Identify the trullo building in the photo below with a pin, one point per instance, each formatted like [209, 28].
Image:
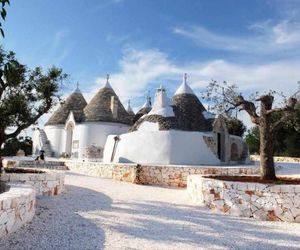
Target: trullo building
[79, 129]
[177, 131]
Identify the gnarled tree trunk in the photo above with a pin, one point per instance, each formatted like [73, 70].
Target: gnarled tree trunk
[267, 167]
[2, 140]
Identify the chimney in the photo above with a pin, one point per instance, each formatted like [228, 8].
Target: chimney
[114, 107]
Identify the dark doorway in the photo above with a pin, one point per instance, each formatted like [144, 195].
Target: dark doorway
[219, 145]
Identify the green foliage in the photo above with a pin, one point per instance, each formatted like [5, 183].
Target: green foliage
[25, 95]
[286, 142]
[252, 140]
[3, 14]
[235, 126]
[12, 145]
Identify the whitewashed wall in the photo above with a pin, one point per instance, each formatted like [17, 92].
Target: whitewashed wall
[36, 142]
[56, 134]
[87, 134]
[161, 147]
[94, 133]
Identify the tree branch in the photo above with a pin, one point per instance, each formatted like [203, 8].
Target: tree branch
[290, 106]
[29, 122]
[249, 107]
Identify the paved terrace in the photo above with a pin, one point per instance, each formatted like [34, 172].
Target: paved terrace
[97, 213]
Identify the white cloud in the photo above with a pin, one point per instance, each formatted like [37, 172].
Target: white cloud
[138, 69]
[265, 38]
[141, 70]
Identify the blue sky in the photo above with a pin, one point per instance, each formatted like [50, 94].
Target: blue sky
[145, 43]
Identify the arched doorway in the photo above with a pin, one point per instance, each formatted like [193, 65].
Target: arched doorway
[221, 145]
[69, 138]
[221, 139]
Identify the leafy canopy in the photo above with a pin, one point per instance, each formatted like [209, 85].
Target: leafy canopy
[25, 95]
[3, 14]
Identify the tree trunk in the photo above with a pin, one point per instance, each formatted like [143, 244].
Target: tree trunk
[1, 163]
[267, 167]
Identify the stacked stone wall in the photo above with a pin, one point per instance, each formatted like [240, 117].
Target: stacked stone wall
[17, 206]
[254, 200]
[278, 159]
[57, 165]
[167, 176]
[47, 184]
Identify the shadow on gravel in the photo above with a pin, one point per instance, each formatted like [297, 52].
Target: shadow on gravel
[58, 224]
[167, 222]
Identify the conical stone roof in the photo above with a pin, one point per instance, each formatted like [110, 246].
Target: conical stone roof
[145, 109]
[99, 108]
[75, 103]
[188, 111]
[129, 109]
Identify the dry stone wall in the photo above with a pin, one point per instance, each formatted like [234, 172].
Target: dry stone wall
[57, 165]
[259, 201]
[278, 159]
[17, 206]
[49, 183]
[167, 176]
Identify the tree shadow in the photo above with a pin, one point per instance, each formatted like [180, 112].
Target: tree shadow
[195, 226]
[58, 224]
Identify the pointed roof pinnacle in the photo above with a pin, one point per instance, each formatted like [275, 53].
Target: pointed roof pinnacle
[184, 88]
[185, 78]
[77, 88]
[107, 84]
[129, 109]
[147, 103]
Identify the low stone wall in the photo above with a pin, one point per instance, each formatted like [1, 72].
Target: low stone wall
[167, 176]
[91, 168]
[57, 165]
[260, 201]
[278, 159]
[49, 183]
[17, 206]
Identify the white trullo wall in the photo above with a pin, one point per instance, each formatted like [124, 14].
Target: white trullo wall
[86, 134]
[95, 133]
[36, 142]
[160, 147]
[56, 135]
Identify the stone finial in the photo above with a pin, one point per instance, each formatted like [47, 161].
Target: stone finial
[107, 84]
[185, 78]
[77, 87]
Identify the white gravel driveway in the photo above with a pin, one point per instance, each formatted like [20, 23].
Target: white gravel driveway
[97, 213]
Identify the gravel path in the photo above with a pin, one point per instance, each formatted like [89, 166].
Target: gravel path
[97, 213]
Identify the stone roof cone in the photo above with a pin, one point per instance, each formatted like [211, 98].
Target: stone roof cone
[184, 88]
[188, 108]
[105, 106]
[75, 103]
[145, 109]
[129, 109]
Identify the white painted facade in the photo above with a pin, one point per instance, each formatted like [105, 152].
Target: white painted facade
[148, 126]
[83, 135]
[94, 134]
[56, 134]
[160, 147]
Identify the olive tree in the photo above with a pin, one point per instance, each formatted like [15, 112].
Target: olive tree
[268, 119]
[25, 95]
[4, 3]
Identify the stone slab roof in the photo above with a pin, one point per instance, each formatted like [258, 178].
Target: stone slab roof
[99, 108]
[75, 103]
